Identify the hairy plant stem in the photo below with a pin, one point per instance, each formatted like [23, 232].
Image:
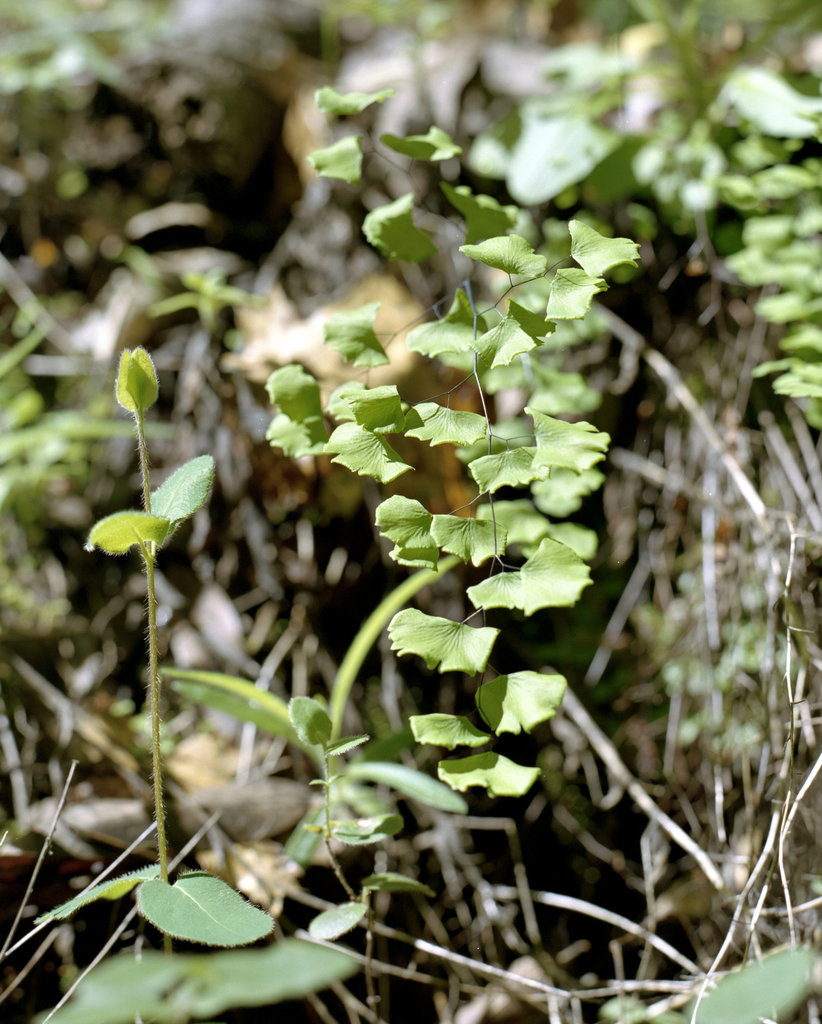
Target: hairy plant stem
[335, 864]
[153, 673]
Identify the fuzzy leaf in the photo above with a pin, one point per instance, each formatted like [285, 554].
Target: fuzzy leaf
[390, 881]
[562, 493]
[595, 253]
[185, 490]
[473, 540]
[341, 160]
[363, 831]
[440, 425]
[409, 782]
[572, 292]
[378, 409]
[441, 643]
[493, 772]
[509, 253]
[520, 700]
[112, 889]
[337, 921]
[118, 532]
[329, 101]
[484, 217]
[186, 986]
[202, 908]
[346, 745]
[408, 524]
[434, 145]
[553, 577]
[365, 452]
[514, 467]
[390, 229]
[563, 445]
[453, 333]
[310, 720]
[136, 388]
[351, 333]
[768, 989]
[447, 731]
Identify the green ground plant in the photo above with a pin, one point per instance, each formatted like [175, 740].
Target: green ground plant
[197, 907]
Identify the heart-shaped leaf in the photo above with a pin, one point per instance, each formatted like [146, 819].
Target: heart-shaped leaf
[202, 908]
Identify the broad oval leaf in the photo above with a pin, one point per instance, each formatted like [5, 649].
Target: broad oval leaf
[768, 990]
[491, 771]
[553, 577]
[509, 253]
[765, 99]
[112, 889]
[445, 645]
[572, 291]
[185, 490]
[169, 989]
[364, 831]
[390, 229]
[333, 923]
[448, 731]
[118, 532]
[563, 445]
[351, 333]
[329, 101]
[409, 782]
[440, 425]
[365, 453]
[484, 216]
[202, 908]
[310, 720]
[341, 160]
[434, 145]
[472, 540]
[136, 388]
[391, 881]
[595, 253]
[407, 523]
[520, 700]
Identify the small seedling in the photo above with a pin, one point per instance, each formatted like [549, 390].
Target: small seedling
[197, 907]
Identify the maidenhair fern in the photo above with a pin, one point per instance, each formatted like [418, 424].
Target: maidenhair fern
[532, 562]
